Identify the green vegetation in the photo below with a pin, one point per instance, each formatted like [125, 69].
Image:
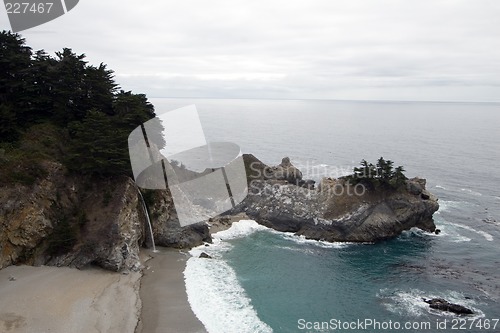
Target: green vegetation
[63, 109]
[381, 175]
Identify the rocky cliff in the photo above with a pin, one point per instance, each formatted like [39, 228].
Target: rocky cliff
[68, 220]
[166, 228]
[334, 210]
[65, 220]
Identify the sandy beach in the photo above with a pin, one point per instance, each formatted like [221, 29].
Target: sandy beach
[61, 299]
[165, 307]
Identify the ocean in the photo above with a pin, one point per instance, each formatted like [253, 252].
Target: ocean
[265, 281]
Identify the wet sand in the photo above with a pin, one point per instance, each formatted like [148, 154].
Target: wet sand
[165, 307]
[61, 299]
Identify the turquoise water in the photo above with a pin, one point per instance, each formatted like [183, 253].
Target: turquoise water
[385, 281]
[285, 279]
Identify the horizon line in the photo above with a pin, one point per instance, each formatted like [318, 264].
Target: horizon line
[332, 100]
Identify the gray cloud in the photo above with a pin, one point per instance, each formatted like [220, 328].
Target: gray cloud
[352, 49]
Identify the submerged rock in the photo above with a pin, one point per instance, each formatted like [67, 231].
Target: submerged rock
[205, 255]
[443, 305]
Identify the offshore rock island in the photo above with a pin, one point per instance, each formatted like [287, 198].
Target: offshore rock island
[335, 210]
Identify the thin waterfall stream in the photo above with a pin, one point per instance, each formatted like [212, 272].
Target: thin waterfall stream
[148, 219]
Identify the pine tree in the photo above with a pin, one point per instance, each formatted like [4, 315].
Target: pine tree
[98, 146]
[78, 99]
[382, 174]
[15, 63]
[399, 176]
[69, 91]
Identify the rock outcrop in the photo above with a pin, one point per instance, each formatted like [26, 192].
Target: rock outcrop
[444, 305]
[65, 220]
[336, 210]
[284, 171]
[166, 228]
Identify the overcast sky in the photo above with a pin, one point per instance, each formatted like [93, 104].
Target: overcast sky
[327, 49]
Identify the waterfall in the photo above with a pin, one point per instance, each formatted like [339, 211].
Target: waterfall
[148, 219]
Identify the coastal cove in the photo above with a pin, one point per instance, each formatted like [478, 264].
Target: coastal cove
[250, 167]
[270, 264]
[452, 145]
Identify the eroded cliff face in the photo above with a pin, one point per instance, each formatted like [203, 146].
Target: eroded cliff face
[336, 211]
[63, 220]
[166, 228]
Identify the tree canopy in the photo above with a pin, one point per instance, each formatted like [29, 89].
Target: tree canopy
[382, 174]
[83, 101]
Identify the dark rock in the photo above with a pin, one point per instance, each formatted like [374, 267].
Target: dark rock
[254, 168]
[309, 184]
[103, 219]
[284, 171]
[425, 196]
[69, 220]
[205, 255]
[443, 305]
[167, 230]
[224, 222]
[437, 231]
[335, 212]
[415, 186]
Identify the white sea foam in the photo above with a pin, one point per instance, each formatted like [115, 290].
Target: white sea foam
[218, 300]
[471, 192]
[450, 232]
[303, 240]
[239, 229]
[247, 227]
[411, 303]
[441, 187]
[446, 205]
[215, 295]
[455, 237]
[416, 232]
[486, 235]
[403, 302]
